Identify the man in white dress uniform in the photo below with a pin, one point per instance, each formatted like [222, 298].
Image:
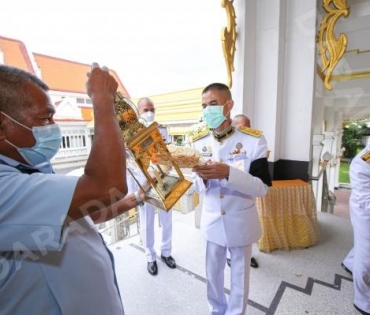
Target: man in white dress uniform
[358, 259]
[146, 110]
[235, 173]
[238, 121]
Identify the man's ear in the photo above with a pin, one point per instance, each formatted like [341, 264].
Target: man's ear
[230, 105]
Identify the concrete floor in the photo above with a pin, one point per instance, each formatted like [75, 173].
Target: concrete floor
[342, 199]
[305, 281]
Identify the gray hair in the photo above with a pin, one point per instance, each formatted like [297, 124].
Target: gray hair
[13, 89]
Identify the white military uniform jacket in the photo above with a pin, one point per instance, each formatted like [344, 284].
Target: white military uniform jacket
[360, 193]
[229, 216]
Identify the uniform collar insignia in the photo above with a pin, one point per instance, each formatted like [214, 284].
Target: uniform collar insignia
[223, 134]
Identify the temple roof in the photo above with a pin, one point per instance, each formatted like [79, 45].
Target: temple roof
[59, 74]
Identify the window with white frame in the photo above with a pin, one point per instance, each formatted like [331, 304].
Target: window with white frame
[73, 139]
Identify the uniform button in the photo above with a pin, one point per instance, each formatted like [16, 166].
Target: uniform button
[223, 212]
[221, 196]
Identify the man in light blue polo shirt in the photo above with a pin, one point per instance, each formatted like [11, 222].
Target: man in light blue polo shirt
[52, 259]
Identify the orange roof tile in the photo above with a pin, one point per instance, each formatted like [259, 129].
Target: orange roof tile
[15, 54]
[59, 74]
[67, 76]
[87, 113]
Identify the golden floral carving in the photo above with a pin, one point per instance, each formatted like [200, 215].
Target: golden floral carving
[228, 38]
[331, 48]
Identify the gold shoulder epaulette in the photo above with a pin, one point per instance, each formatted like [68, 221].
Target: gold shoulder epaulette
[366, 157]
[252, 132]
[200, 135]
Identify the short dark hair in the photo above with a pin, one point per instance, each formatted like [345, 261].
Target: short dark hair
[13, 87]
[217, 86]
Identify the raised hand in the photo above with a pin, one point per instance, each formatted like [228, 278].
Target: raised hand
[100, 84]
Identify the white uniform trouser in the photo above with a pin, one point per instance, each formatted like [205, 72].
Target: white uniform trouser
[361, 272]
[228, 255]
[147, 214]
[239, 287]
[348, 261]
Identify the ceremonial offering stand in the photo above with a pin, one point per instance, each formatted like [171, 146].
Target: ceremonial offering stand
[142, 144]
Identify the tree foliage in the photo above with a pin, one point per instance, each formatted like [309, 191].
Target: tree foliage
[352, 138]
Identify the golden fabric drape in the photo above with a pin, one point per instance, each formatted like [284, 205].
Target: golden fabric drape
[288, 216]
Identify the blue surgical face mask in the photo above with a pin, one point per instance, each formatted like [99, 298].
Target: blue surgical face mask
[214, 116]
[48, 139]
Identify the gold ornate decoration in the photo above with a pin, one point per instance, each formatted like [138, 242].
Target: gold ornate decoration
[331, 48]
[167, 187]
[127, 116]
[228, 38]
[142, 142]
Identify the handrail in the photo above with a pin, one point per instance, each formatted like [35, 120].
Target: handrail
[323, 167]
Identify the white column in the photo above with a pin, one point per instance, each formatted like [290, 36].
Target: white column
[298, 78]
[275, 71]
[243, 76]
[317, 146]
[333, 136]
[338, 133]
[317, 151]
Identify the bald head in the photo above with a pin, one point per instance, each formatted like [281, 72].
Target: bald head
[242, 120]
[146, 109]
[144, 105]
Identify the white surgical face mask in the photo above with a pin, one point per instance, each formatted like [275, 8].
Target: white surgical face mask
[48, 139]
[148, 116]
[213, 115]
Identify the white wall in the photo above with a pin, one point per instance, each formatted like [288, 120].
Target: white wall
[275, 72]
